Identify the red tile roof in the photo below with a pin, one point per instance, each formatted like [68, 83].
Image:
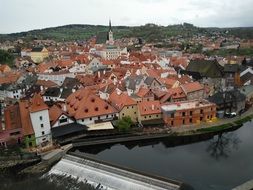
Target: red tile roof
[37, 103]
[192, 87]
[149, 107]
[120, 100]
[25, 118]
[84, 104]
[12, 117]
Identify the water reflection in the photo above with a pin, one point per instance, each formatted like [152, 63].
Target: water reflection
[222, 145]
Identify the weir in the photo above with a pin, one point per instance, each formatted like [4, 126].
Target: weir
[109, 176]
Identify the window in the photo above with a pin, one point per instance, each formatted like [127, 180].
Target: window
[201, 111]
[172, 115]
[127, 107]
[40, 118]
[201, 118]
[90, 118]
[64, 120]
[183, 114]
[145, 117]
[135, 112]
[123, 114]
[41, 125]
[43, 132]
[191, 120]
[190, 113]
[172, 123]
[157, 115]
[183, 121]
[132, 107]
[150, 116]
[30, 144]
[29, 136]
[82, 120]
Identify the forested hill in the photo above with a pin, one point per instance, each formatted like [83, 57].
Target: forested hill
[148, 32]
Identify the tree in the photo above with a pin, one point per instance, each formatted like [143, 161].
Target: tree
[124, 124]
[6, 58]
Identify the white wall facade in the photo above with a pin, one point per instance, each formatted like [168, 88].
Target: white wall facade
[41, 126]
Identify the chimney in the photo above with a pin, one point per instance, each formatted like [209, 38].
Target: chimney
[99, 74]
[61, 89]
[73, 90]
[41, 88]
[103, 71]
[64, 108]
[153, 107]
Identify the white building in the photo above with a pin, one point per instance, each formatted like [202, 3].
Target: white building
[40, 120]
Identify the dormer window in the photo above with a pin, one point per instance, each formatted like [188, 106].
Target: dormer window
[96, 108]
[92, 99]
[106, 107]
[86, 110]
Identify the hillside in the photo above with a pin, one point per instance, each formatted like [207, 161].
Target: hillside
[148, 32]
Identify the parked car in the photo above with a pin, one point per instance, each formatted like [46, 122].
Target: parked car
[230, 115]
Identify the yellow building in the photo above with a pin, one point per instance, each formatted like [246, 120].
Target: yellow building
[38, 54]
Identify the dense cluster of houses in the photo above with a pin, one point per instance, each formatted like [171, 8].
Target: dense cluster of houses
[57, 91]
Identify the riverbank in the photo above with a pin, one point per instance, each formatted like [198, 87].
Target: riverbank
[47, 160]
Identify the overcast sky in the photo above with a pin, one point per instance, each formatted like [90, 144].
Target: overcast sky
[23, 15]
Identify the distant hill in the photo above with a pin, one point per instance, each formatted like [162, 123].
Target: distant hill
[148, 32]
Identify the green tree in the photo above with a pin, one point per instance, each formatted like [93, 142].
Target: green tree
[124, 124]
[6, 58]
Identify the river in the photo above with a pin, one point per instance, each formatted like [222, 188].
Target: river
[220, 163]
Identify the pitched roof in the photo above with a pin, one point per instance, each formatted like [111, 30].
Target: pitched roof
[12, 117]
[120, 100]
[52, 92]
[37, 103]
[25, 118]
[192, 87]
[142, 92]
[46, 83]
[54, 113]
[84, 104]
[206, 68]
[149, 107]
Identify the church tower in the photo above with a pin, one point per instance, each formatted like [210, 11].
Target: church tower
[110, 40]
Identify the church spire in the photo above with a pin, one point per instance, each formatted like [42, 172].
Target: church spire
[110, 25]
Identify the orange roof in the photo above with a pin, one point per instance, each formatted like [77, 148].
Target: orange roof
[142, 92]
[149, 107]
[12, 117]
[4, 68]
[54, 113]
[169, 82]
[120, 100]
[84, 104]
[37, 103]
[25, 118]
[192, 87]
[46, 83]
[10, 78]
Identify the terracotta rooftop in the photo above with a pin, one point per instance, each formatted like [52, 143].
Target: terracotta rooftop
[25, 115]
[84, 104]
[192, 87]
[37, 103]
[120, 100]
[149, 107]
